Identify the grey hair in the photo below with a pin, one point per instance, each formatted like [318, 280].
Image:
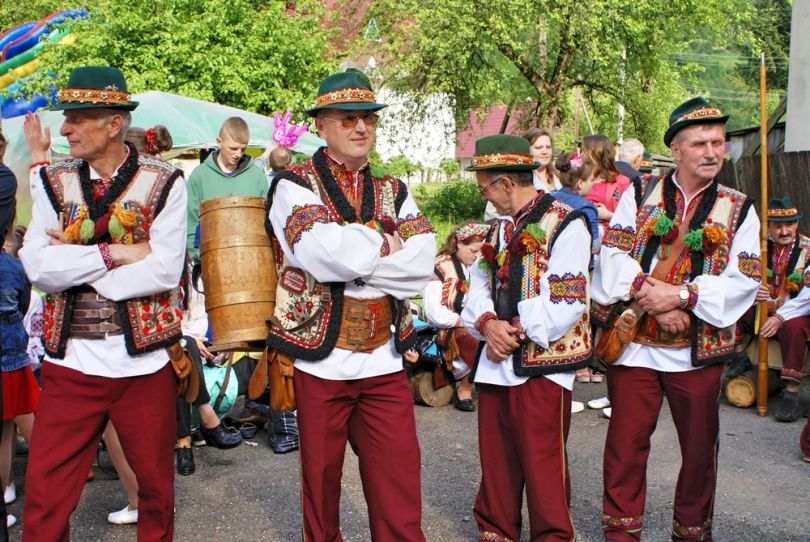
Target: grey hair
[630, 149]
[126, 119]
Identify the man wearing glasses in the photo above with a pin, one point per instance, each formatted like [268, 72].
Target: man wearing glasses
[353, 248]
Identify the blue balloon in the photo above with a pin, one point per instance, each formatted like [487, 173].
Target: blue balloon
[16, 108]
[42, 28]
[10, 35]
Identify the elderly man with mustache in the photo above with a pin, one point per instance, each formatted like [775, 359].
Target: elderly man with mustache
[683, 251]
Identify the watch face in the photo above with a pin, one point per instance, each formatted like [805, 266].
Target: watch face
[684, 295]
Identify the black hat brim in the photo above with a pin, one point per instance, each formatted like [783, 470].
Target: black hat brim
[357, 106]
[678, 126]
[73, 106]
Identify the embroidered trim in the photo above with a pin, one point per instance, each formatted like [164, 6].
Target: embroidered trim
[704, 112]
[693, 290]
[638, 282]
[792, 375]
[301, 220]
[511, 159]
[108, 96]
[489, 536]
[385, 248]
[781, 213]
[109, 263]
[483, 319]
[293, 280]
[470, 231]
[630, 524]
[750, 265]
[621, 237]
[568, 288]
[702, 532]
[413, 225]
[346, 95]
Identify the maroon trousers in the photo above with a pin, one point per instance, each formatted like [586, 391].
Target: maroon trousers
[636, 396]
[376, 416]
[73, 411]
[792, 337]
[522, 431]
[804, 441]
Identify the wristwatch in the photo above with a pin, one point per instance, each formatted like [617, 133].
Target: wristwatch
[683, 294]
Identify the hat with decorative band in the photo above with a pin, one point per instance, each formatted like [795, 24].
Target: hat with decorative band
[782, 210]
[94, 87]
[502, 152]
[647, 164]
[693, 111]
[348, 91]
[471, 231]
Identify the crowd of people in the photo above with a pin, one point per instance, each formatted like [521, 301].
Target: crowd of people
[587, 269]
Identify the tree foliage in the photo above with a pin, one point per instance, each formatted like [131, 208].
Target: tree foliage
[249, 54]
[513, 51]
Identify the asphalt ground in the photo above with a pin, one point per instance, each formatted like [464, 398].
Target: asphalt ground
[250, 493]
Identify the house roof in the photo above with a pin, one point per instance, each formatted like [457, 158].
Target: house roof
[482, 122]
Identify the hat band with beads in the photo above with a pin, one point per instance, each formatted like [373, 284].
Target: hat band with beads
[783, 213]
[501, 159]
[96, 96]
[344, 96]
[700, 113]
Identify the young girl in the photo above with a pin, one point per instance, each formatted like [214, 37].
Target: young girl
[609, 183]
[576, 175]
[444, 298]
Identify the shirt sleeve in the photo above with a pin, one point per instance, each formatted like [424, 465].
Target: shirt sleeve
[799, 305]
[563, 287]
[478, 301]
[162, 268]
[405, 273]
[55, 268]
[436, 312]
[616, 270]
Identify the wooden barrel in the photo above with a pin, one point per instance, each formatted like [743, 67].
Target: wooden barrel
[741, 391]
[421, 385]
[238, 272]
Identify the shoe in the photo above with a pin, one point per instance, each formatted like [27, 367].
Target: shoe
[606, 412]
[789, 411]
[597, 378]
[196, 437]
[125, 516]
[740, 363]
[283, 432]
[806, 458]
[10, 495]
[583, 375]
[577, 406]
[185, 466]
[221, 437]
[602, 402]
[11, 521]
[464, 405]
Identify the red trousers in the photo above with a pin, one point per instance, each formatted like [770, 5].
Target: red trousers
[792, 337]
[375, 415]
[636, 395]
[522, 431]
[804, 441]
[73, 411]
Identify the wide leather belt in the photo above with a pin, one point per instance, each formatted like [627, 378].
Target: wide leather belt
[365, 325]
[94, 317]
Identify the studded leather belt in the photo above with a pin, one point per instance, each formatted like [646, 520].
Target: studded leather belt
[366, 324]
[94, 317]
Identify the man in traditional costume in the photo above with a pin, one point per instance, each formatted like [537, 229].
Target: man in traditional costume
[106, 243]
[528, 301]
[788, 257]
[352, 248]
[685, 250]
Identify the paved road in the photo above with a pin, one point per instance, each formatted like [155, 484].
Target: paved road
[250, 494]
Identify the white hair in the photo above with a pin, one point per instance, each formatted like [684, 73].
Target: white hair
[630, 150]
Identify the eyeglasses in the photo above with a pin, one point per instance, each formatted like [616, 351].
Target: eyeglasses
[482, 191]
[369, 119]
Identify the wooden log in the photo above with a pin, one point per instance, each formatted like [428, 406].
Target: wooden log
[421, 385]
[741, 391]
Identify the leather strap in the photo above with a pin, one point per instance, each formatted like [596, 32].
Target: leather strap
[365, 325]
[94, 317]
[224, 388]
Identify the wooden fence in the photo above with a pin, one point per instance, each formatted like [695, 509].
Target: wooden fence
[788, 175]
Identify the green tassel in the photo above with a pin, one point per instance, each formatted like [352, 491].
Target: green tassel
[115, 228]
[694, 240]
[769, 273]
[537, 232]
[793, 277]
[663, 225]
[87, 230]
[377, 172]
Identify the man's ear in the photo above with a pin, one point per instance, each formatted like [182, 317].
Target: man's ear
[219, 142]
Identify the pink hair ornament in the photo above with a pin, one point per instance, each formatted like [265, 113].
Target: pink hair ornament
[285, 133]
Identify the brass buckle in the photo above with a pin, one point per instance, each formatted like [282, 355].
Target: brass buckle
[107, 327]
[105, 312]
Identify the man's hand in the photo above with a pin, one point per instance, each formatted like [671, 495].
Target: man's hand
[674, 321]
[39, 140]
[764, 293]
[204, 352]
[58, 235]
[394, 242]
[411, 356]
[771, 326]
[602, 212]
[127, 254]
[501, 339]
[657, 297]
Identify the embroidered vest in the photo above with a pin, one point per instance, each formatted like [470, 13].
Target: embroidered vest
[526, 258]
[307, 317]
[135, 198]
[722, 210]
[449, 271]
[788, 278]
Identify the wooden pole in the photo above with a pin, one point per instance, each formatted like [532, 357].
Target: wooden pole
[762, 352]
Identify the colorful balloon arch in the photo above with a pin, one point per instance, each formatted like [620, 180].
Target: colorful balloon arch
[20, 48]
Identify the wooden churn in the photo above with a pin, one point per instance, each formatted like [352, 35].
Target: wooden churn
[238, 272]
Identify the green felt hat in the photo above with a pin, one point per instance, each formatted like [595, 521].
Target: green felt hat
[693, 111]
[503, 152]
[783, 210]
[646, 165]
[94, 87]
[348, 91]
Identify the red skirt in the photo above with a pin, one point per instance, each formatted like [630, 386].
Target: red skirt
[20, 393]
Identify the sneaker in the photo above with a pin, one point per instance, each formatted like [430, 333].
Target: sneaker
[10, 495]
[196, 437]
[597, 378]
[596, 404]
[577, 406]
[584, 375]
[607, 411]
[123, 517]
[11, 521]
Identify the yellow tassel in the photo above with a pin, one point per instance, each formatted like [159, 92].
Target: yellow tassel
[126, 217]
[72, 230]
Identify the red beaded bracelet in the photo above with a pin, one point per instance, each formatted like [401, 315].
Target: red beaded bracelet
[109, 263]
[42, 163]
[483, 319]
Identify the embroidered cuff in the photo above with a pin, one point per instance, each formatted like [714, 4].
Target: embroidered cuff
[385, 248]
[638, 282]
[109, 263]
[693, 290]
[482, 320]
[37, 164]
